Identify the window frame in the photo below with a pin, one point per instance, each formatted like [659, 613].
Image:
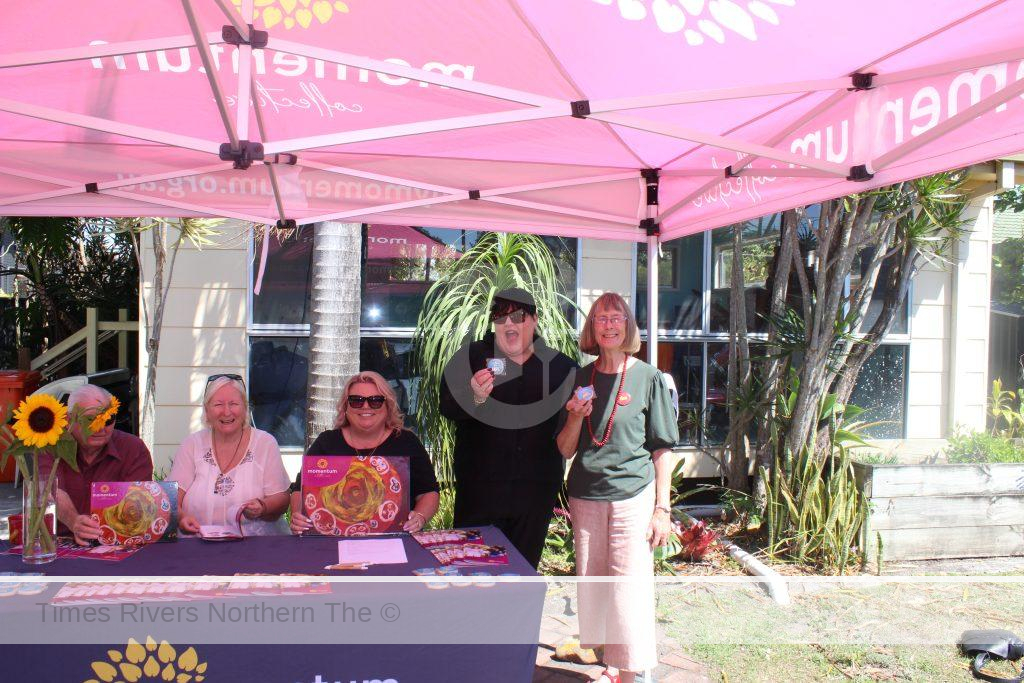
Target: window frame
[705, 336]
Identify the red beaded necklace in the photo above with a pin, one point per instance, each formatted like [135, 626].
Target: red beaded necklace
[615, 405]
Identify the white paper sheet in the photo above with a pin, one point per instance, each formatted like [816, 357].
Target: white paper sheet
[372, 551]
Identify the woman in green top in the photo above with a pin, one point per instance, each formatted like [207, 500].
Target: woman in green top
[621, 433]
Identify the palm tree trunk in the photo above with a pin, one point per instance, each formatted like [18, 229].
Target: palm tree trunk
[334, 327]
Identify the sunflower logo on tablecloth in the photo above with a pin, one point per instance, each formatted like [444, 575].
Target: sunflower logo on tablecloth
[292, 13]
[149, 662]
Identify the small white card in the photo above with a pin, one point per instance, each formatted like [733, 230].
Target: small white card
[372, 551]
[218, 532]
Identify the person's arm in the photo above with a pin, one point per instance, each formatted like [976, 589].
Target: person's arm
[299, 521]
[568, 438]
[422, 512]
[660, 528]
[662, 434]
[274, 499]
[269, 507]
[423, 485]
[83, 527]
[186, 522]
[464, 392]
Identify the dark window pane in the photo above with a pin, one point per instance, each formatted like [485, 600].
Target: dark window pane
[402, 262]
[391, 358]
[680, 284]
[882, 391]
[278, 368]
[685, 362]
[760, 242]
[717, 412]
[284, 294]
[899, 324]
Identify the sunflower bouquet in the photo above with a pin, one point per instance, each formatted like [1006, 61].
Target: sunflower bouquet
[37, 436]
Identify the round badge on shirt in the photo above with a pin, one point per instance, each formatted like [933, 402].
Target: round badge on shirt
[623, 398]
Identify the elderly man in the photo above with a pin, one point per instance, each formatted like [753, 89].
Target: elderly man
[505, 393]
[106, 455]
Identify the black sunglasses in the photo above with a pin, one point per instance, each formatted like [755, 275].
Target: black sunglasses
[516, 317]
[225, 375]
[374, 401]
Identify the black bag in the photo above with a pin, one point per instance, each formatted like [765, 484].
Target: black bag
[991, 644]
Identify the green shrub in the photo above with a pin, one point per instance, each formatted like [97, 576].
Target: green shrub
[980, 447]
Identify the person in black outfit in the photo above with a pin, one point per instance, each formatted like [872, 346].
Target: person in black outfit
[508, 470]
[370, 423]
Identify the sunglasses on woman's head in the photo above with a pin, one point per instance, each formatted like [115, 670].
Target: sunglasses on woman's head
[374, 401]
[517, 316]
[225, 375]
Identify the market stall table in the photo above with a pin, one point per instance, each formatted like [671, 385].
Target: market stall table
[364, 629]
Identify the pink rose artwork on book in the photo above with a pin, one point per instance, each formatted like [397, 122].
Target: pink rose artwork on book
[135, 513]
[349, 495]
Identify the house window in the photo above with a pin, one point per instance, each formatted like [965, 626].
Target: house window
[693, 321]
[882, 391]
[278, 369]
[400, 263]
[284, 292]
[760, 242]
[680, 285]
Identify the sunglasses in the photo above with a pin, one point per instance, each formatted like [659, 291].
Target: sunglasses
[225, 375]
[516, 317]
[374, 401]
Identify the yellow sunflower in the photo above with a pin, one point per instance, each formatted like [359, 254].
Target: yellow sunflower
[101, 419]
[40, 420]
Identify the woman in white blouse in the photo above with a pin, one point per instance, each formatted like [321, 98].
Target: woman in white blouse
[230, 467]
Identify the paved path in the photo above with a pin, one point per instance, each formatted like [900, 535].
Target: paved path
[559, 625]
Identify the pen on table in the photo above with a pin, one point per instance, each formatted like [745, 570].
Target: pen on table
[347, 566]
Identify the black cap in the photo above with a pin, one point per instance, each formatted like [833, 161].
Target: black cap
[514, 298]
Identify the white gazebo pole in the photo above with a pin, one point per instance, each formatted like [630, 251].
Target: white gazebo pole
[652, 299]
[650, 176]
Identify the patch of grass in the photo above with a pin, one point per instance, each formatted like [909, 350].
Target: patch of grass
[885, 632]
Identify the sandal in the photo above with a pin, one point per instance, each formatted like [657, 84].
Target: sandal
[570, 651]
[607, 677]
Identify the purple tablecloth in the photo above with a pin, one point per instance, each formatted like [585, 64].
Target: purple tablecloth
[343, 660]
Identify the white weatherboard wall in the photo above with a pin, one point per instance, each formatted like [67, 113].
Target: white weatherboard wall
[968, 348]
[605, 266]
[203, 333]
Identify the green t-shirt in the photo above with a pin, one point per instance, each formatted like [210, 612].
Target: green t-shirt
[622, 467]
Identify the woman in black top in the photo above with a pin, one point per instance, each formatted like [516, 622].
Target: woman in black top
[370, 423]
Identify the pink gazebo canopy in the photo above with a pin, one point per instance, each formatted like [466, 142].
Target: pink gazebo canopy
[596, 118]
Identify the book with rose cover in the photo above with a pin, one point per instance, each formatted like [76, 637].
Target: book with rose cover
[134, 513]
[354, 495]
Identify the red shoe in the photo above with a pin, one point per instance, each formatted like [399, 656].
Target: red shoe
[607, 677]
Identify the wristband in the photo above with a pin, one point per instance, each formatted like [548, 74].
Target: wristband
[421, 515]
[479, 401]
[663, 508]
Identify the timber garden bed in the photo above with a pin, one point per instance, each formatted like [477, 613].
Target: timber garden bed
[940, 511]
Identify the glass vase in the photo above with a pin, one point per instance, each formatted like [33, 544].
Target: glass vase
[39, 517]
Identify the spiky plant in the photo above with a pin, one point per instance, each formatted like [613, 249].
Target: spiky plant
[457, 307]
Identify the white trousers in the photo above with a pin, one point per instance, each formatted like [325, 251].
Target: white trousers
[611, 540]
